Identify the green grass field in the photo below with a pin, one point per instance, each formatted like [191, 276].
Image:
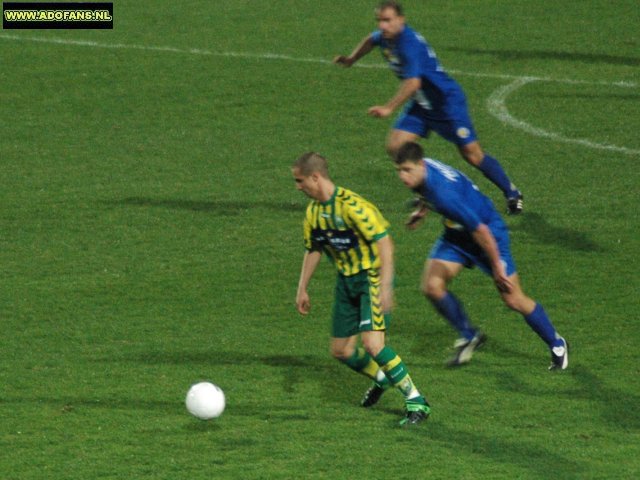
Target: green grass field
[150, 237]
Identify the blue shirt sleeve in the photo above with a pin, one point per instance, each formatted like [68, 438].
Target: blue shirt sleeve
[376, 38]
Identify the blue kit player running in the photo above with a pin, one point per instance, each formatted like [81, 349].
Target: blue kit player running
[474, 235]
[435, 100]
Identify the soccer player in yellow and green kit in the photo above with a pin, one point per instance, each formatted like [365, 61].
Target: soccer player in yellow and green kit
[353, 233]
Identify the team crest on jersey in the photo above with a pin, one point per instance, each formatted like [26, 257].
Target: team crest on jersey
[463, 132]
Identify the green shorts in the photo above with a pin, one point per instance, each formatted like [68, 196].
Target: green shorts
[357, 305]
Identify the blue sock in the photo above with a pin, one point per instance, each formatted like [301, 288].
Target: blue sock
[540, 323]
[451, 309]
[491, 168]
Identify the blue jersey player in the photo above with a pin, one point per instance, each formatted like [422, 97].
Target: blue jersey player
[434, 100]
[474, 235]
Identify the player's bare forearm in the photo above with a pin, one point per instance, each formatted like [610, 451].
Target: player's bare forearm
[362, 49]
[385, 250]
[309, 263]
[407, 89]
[483, 237]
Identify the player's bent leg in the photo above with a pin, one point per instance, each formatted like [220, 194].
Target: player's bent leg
[356, 358]
[492, 169]
[472, 153]
[417, 407]
[515, 299]
[537, 319]
[437, 274]
[360, 361]
[373, 343]
[397, 138]
[343, 348]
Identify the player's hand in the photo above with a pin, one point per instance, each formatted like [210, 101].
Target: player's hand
[416, 217]
[343, 61]
[501, 280]
[303, 303]
[380, 111]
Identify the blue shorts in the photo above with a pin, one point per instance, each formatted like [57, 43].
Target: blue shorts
[459, 247]
[458, 129]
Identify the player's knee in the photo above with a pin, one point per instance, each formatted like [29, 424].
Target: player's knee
[433, 288]
[392, 148]
[373, 346]
[473, 155]
[474, 158]
[394, 143]
[341, 353]
[510, 303]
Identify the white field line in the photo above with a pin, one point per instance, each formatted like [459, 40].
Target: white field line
[278, 56]
[496, 102]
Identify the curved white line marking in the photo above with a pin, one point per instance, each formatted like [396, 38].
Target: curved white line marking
[496, 104]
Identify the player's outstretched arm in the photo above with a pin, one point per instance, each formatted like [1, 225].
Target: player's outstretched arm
[362, 49]
[309, 263]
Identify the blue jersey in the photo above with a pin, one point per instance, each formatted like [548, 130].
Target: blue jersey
[464, 207]
[410, 56]
[452, 194]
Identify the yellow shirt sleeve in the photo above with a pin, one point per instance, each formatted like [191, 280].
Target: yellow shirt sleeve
[367, 219]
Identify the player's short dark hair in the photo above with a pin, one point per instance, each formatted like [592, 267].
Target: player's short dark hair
[312, 162]
[409, 152]
[391, 4]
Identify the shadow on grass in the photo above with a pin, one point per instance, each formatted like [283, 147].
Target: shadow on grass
[613, 405]
[594, 58]
[481, 441]
[69, 404]
[541, 462]
[218, 207]
[217, 357]
[293, 369]
[536, 226]
[510, 352]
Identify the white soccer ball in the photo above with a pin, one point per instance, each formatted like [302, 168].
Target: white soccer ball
[205, 400]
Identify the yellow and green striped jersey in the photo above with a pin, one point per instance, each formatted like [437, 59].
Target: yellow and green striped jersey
[346, 228]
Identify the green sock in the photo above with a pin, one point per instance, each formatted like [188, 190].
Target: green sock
[397, 373]
[364, 364]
